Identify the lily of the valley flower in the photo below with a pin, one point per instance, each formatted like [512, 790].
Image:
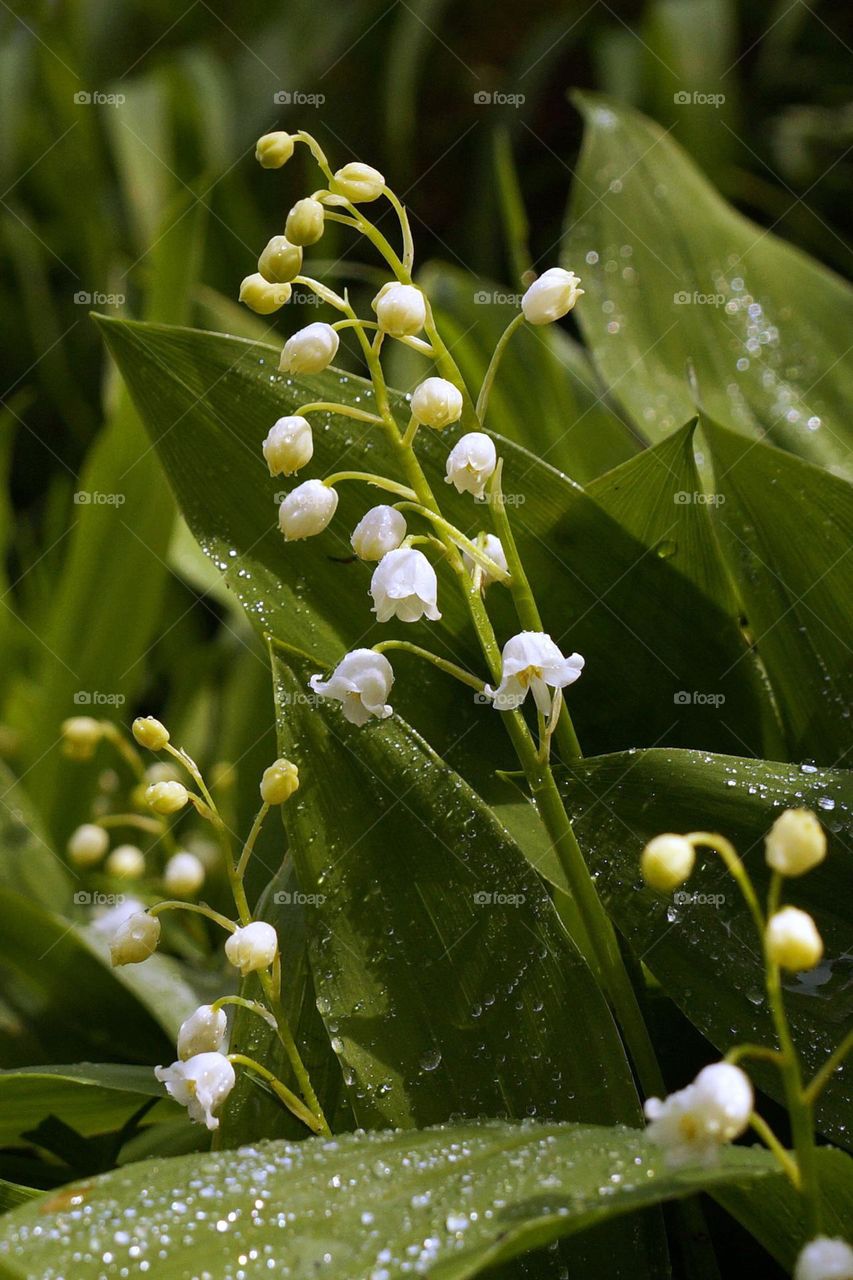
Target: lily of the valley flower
[279, 782]
[126, 862]
[795, 843]
[471, 462]
[305, 222]
[263, 297]
[436, 403]
[201, 1084]
[692, 1124]
[358, 182]
[307, 510]
[184, 874]
[361, 682]
[551, 296]
[667, 861]
[310, 350]
[252, 947]
[404, 586]
[204, 1031]
[135, 939]
[792, 940]
[274, 149]
[492, 546]
[80, 737]
[379, 531]
[825, 1258]
[289, 445]
[532, 662]
[280, 262]
[166, 797]
[87, 845]
[150, 733]
[400, 309]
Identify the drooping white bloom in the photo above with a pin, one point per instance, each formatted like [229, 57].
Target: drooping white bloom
[492, 546]
[436, 403]
[252, 947]
[404, 586]
[274, 149]
[87, 845]
[150, 733]
[289, 445]
[263, 297]
[183, 874]
[379, 531]
[692, 1124]
[305, 222]
[201, 1084]
[795, 843]
[310, 350]
[166, 797]
[307, 510]
[205, 1031]
[551, 296]
[825, 1258]
[531, 661]
[357, 182]
[400, 309]
[280, 262]
[135, 939]
[109, 919]
[279, 782]
[471, 462]
[667, 861]
[792, 940]
[126, 862]
[361, 682]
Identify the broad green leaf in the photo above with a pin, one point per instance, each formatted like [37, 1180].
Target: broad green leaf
[92, 1097]
[674, 277]
[703, 949]
[12, 1194]
[449, 1202]
[787, 530]
[28, 864]
[646, 630]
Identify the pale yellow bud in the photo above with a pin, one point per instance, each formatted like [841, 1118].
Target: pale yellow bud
[792, 940]
[150, 733]
[274, 149]
[183, 875]
[358, 183]
[667, 861]
[280, 261]
[81, 734]
[795, 843]
[126, 862]
[166, 797]
[279, 782]
[263, 297]
[87, 845]
[305, 222]
[135, 940]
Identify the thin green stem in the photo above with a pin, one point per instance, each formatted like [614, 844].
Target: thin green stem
[833, 1062]
[761, 1052]
[317, 152]
[405, 230]
[285, 1095]
[196, 908]
[768, 1137]
[152, 825]
[243, 1003]
[379, 482]
[477, 554]
[342, 410]
[497, 355]
[250, 843]
[125, 749]
[449, 668]
[736, 870]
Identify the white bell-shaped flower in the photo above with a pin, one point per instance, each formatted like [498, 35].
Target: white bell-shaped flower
[471, 462]
[531, 661]
[201, 1084]
[795, 843]
[379, 531]
[404, 586]
[361, 682]
[87, 845]
[436, 403]
[126, 862]
[252, 947]
[310, 350]
[692, 1124]
[135, 939]
[183, 874]
[551, 296]
[792, 940]
[667, 861]
[289, 445]
[400, 309]
[493, 547]
[307, 510]
[825, 1258]
[204, 1031]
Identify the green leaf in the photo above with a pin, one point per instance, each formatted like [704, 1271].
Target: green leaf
[704, 950]
[674, 277]
[12, 1194]
[28, 864]
[92, 1097]
[795, 578]
[448, 1202]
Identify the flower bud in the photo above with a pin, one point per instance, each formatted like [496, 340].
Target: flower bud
[166, 797]
[252, 947]
[87, 845]
[436, 403]
[307, 510]
[205, 1031]
[493, 547]
[471, 462]
[379, 531]
[289, 445]
[305, 222]
[551, 296]
[825, 1258]
[81, 734]
[150, 733]
[263, 297]
[183, 875]
[309, 350]
[357, 182]
[279, 782]
[667, 862]
[792, 940]
[795, 843]
[280, 261]
[273, 150]
[126, 862]
[135, 939]
[400, 309]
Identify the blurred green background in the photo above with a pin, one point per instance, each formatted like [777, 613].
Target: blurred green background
[129, 186]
